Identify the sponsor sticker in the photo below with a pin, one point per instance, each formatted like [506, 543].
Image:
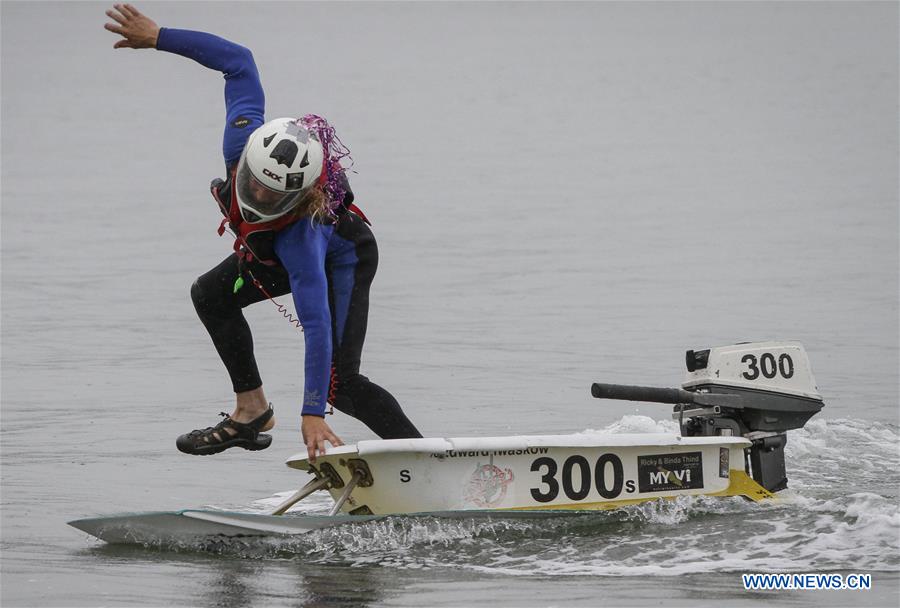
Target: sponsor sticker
[724, 464]
[240, 122]
[487, 485]
[665, 472]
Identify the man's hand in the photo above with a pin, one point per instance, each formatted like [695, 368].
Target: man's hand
[138, 31]
[315, 433]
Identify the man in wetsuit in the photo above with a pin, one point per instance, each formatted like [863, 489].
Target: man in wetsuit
[287, 199]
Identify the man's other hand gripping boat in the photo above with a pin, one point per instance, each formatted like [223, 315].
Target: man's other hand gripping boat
[734, 409]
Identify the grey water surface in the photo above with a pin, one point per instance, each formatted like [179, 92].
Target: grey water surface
[563, 193]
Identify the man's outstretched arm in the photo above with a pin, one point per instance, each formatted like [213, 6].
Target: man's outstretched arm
[244, 97]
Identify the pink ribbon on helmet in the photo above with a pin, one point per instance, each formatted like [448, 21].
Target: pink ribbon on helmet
[334, 151]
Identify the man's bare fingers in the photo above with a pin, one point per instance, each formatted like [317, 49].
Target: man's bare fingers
[334, 439]
[123, 44]
[132, 11]
[117, 29]
[311, 452]
[116, 17]
[123, 17]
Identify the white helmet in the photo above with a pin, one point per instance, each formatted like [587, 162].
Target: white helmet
[280, 161]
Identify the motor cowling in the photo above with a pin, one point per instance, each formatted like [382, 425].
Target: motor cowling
[766, 389]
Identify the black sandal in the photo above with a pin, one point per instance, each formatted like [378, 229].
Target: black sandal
[215, 439]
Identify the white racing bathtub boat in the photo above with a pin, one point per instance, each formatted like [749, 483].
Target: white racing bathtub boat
[734, 409]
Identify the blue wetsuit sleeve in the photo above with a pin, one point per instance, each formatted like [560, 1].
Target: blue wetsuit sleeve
[244, 98]
[301, 248]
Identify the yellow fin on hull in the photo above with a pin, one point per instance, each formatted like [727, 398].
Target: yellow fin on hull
[741, 484]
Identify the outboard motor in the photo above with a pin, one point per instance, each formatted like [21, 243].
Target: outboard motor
[758, 390]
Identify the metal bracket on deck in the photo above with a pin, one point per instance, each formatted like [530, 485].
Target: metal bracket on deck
[329, 479]
[357, 465]
[346, 493]
[334, 478]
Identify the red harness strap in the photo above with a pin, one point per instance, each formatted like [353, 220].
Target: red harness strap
[358, 211]
[243, 229]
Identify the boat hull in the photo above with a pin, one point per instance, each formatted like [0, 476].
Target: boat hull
[570, 472]
[187, 526]
[503, 477]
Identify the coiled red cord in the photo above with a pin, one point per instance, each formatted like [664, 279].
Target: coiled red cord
[296, 323]
[285, 312]
[332, 387]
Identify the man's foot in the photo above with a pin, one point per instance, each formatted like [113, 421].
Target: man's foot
[247, 416]
[229, 433]
[250, 405]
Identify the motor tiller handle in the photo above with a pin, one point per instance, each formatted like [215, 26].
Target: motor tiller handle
[654, 394]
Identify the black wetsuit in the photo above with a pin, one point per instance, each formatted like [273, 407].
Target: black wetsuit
[350, 392]
[327, 267]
